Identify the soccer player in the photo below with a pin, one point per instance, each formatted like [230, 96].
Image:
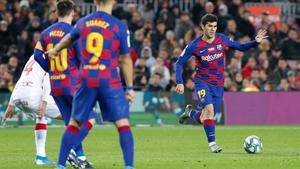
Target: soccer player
[63, 70]
[104, 41]
[209, 51]
[32, 95]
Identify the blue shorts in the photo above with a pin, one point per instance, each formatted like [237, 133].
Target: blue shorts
[113, 103]
[64, 104]
[209, 94]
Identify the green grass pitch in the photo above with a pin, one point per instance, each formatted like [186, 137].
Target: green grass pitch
[172, 147]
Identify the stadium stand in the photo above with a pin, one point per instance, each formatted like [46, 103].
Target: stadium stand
[159, 32]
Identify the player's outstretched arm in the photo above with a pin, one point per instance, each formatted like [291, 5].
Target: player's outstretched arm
[9, 112]
[261, 35]
[245, 46]
[64, 43]
[127, 69]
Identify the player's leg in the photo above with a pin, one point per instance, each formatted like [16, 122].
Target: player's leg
[83, 132]
[29, 105]
[217, 101]
[207, 116]
[203, 99]
[40, 133]
[126, 142]
[80, 114]
[114, 107]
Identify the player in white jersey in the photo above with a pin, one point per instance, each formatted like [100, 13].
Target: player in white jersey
[32, 95]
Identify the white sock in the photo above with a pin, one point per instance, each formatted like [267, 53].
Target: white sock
[83, 158]
[40, 133]
[211, 143]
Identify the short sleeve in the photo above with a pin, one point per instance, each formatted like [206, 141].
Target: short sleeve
[124, 40]
[75, 33]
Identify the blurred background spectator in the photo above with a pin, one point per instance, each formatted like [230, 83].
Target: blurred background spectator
[159, 31]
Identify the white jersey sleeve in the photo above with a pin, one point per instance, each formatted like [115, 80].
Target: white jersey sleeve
[46, 88]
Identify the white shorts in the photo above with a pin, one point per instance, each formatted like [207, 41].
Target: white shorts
[32, 104]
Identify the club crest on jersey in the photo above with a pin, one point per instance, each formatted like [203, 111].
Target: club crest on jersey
[219, 47]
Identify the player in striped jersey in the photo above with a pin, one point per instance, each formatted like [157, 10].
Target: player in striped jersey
[63, 70]
[104, 41]
[209, 51]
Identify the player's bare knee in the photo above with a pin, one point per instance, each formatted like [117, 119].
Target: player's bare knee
[208, 112]
[122, 122]
[92, 121]
[73, 122]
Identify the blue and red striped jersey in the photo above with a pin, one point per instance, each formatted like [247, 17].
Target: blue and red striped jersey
[63, 70]
[102, 38]
[210, 58]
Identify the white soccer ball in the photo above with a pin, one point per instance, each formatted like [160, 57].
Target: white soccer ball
[253, 144]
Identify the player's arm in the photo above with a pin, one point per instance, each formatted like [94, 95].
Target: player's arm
[9, 112]
[126, 62]
[39, 54]
[245, 46]
[127, 69]
[46, 95]
[184, 57]
[66, 42]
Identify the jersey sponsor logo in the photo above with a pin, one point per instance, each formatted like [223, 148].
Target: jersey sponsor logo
[211, 49]
[212, 57]
[95, 67]
[98, 23]
[58, 77]
[57, 33]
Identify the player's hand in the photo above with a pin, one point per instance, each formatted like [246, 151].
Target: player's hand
[8, 114]
[41, 111]
[179, 88]
[261, 35]
[52, 53]
[130, 96]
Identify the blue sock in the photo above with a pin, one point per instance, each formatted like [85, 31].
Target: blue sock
[67, 143]
[83, 132]
[72, 138]
[127, 145]
[209, 127]
[79, 150]
[195, 115]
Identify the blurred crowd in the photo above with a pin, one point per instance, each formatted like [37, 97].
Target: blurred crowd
[158, 38]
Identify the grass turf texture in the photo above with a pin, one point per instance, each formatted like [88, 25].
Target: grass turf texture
[178, 147]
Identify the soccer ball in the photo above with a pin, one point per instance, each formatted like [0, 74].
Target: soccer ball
[253, 144]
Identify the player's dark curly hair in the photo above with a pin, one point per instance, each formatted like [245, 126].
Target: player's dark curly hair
[208, 18]
[64, 7]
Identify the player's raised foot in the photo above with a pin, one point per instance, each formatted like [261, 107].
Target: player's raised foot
[186, 114]
[73, 160]
[60, 167]
[85, 163]
[40, 160]
[214, 148]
